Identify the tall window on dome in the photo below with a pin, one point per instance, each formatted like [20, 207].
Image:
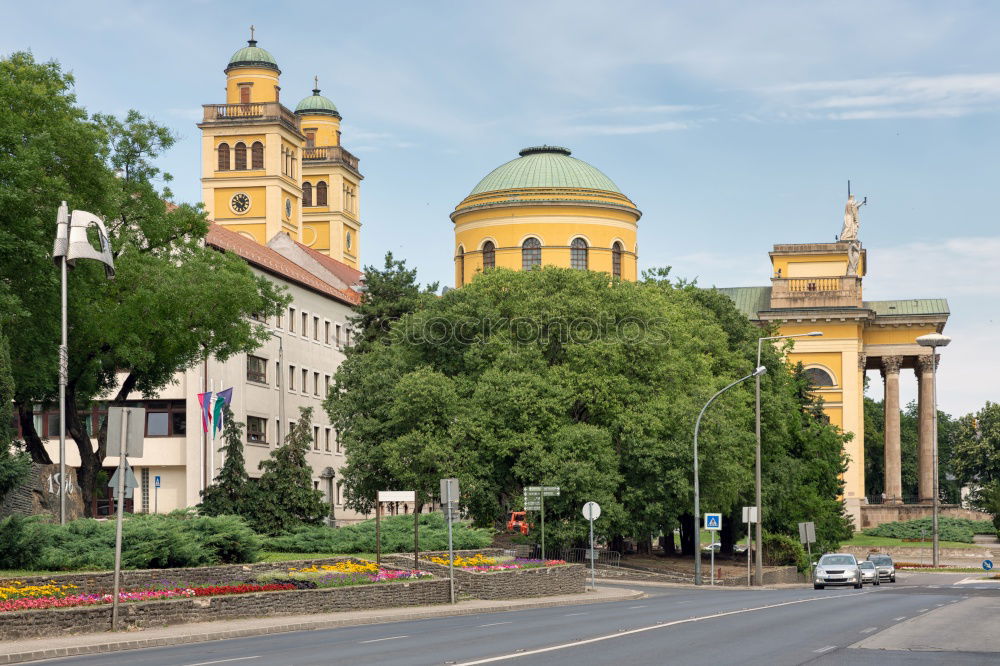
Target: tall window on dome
[307, 194]
[310, 139]
[257, 155]
[244, 94]
[460, 259]
[489, 255]
[223, 157]
[240, 156]
[321, 193]
[578, 254]
[531, 253]
[616, 259]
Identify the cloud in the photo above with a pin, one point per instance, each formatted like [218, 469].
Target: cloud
[962, 265]
[620, 130]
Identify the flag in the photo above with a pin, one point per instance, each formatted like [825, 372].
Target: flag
[222, 399]
[205, 400]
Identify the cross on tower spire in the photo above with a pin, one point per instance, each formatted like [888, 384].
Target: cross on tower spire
[315, 85]
[252, 41]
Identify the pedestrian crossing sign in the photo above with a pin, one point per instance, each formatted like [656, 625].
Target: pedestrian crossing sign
[713, 521]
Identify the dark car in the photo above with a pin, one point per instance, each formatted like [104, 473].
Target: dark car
[885, 566]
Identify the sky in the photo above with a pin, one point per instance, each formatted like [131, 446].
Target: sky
[732, 125]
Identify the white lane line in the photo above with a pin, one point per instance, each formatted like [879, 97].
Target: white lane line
[825, 649]
[869, 630]
[897, 619]
[496, 624]
[939, 605]
[923, 610]
[642, 606]
[387, 638]
[659, 625]
[572, 614]
[222, 661]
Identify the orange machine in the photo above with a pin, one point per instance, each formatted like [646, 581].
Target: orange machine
[518, 522]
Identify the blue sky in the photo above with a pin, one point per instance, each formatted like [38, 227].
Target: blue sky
[732, 125]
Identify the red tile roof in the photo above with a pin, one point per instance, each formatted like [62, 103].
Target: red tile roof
[349, 275]
[270, 261]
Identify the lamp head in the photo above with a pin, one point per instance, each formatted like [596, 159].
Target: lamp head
[814, 333]
[933, 340]
[759, 371]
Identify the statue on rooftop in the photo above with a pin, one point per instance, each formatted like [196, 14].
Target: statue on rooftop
[851, 218]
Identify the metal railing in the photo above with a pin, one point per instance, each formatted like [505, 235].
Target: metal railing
[250, 111]
[330, 154]
[879, 499]
[605, 558]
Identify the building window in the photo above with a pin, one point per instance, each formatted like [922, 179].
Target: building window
[347, 338]
[145, 489]
[307, 194]
[241, 156]
[315, 438]
[338, 492]
[460, 258]
[256, 430]
[257, 155]
[327, 442]
[244, 94]
[291, 378]
[337, 331]
[157, 424]
[578, 254]
[489, 255]
[616, 259]
[256, 369]
[315, 383]
[291, 319]
[531, 253]
[223, 157]
[278, 321]
[326, 332]
[326, 385]
[818, 377]
[305, 325]
[321, 193]
[305, 377]
[315, 328]
[336, 437]
[164, 418]
[277, 374]
[310, 139]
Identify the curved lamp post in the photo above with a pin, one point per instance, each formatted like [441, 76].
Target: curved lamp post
[934, 340]
[697, 501]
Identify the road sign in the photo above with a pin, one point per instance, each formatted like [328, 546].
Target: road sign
[130, 482]
[807, 533]
[591, 510]
[713, 521]
[449, 489]
[134, 436]
[397, 496]
[156, 482]
[532, 506]
[547, 491]
[749, 514]
[987, 564]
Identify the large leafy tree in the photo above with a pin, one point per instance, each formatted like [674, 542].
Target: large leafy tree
[390, 293]
[976, 456]
[173, 302]
[14, 462]
[229, 493]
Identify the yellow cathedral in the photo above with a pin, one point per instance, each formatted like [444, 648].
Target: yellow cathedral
[549, 208]
[267, 169]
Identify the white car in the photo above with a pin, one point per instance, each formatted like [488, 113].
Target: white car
[837, 569]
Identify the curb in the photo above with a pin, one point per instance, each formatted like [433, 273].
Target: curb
[119, 645]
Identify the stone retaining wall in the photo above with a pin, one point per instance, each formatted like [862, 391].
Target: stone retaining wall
[508, 583]
[87, 619]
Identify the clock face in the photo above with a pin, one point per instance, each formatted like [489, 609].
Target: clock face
[240, 203]
[288, 207]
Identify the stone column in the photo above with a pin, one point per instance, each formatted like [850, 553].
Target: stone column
[925, 424]
[893, 458]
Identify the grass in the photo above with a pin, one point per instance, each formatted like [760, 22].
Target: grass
[865, 540]
[272, 556]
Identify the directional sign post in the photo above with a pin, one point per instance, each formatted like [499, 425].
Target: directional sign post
[987, 565]
[749, 516]
[449, 495]
[394, 496]
[713, 523]
[537, 495]
[807, 536]
[592, 511]
[124, 439]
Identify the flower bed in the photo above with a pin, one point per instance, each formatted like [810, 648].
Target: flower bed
[482, 563]
[343, 574]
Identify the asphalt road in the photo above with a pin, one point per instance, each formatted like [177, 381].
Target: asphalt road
[786, 626]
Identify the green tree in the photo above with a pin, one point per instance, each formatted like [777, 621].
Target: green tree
[390, 293]
[228, 495]
[173, 302]
[284, 498]
[14, 463]
[976, 457]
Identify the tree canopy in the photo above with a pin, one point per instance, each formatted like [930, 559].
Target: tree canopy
[568, 378]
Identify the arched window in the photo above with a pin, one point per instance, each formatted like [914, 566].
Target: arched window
[616, 259]
[321, 193]
[578, 254]
[531, 253]
[223, 157]
[819, 377]
[241, 156]
[257, 155]
[307, 194]
[460, 258]
[489, 255]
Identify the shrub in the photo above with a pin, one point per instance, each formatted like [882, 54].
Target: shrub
[780, 550]
[228, 539]
[20, 542]
[949, 529]
[397, 537]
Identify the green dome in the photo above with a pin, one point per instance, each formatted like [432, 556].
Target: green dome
[317, 104]
[545, 166]
[252, 55]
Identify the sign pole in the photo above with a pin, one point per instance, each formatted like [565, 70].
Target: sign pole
[451, 548]
[542, 505]
[711, 577]
[416, 536]
[748, 552]
[378, 532]
[593, 584]
[120, 517]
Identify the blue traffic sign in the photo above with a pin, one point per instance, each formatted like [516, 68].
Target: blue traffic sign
[713, 521]
[987, 564]
[156, 482]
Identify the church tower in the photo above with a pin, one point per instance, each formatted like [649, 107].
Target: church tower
[331, 221]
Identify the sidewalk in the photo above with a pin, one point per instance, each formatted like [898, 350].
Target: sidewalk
[14, 652]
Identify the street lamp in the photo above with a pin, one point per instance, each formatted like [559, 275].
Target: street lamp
[934, 340]
[697, 500]
[758, 578]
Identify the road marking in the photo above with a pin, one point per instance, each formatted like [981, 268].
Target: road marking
[643, 606]
[869, 630]
[939, 605]
[923, 610]
[659, 625]
[495, 624]
[222, 661]
[572, 614]
[825, 649]
[897, 619]
[388, 638]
